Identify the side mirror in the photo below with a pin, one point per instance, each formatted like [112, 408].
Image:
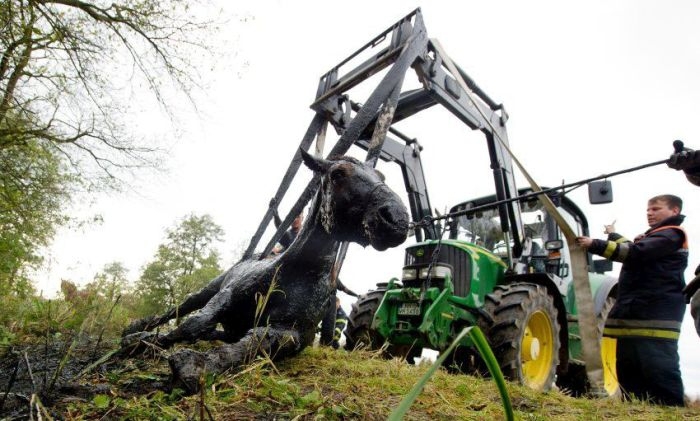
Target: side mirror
[602, 265]
[554, 245]
[600, 192]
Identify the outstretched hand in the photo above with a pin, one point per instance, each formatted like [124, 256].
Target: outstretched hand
[610, 228]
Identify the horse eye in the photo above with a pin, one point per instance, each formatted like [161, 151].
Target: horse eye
[337, 175]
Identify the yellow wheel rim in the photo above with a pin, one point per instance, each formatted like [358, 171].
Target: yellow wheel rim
[536, 351]
[608, 347]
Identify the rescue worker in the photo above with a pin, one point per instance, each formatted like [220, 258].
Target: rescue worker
[647, 317]
[688, 160]
[290, 235]
[341, 321]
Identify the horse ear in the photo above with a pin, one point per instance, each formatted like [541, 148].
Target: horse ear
[381, 175]
[315, 164]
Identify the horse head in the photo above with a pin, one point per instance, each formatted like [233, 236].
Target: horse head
[356, 204]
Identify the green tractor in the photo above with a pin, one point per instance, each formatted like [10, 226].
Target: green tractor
[525, 306]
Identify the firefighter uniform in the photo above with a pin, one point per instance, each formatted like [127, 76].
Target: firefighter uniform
[647, 317]
[341, 322]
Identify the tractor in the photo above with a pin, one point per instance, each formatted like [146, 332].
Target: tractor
[526, 308]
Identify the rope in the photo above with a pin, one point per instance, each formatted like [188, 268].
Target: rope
[430, 219]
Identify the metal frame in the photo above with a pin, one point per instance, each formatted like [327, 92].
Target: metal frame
[368, 125]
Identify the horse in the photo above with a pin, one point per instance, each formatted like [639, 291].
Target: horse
[272, 306]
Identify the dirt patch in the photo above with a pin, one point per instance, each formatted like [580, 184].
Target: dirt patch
[52, 371]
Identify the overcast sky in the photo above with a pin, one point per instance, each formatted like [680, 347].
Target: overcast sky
[591, 87]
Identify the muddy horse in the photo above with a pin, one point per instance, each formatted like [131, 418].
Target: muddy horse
[353, 204]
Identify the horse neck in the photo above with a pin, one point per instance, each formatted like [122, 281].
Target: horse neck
[313, 244]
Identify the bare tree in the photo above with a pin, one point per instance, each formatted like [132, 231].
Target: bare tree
[68, 69]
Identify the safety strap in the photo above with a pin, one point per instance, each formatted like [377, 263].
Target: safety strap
[588, 324]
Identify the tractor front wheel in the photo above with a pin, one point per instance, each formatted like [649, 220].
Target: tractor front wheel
[359, 333]
[524, 334]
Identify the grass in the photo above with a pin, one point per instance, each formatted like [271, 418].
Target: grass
[323, 384]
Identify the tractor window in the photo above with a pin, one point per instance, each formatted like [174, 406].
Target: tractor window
[483, 229]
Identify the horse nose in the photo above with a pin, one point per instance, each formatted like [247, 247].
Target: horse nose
[392, 221]
[387, 214]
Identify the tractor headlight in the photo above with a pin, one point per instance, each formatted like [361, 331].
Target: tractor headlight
[408, 274]
[436, 272]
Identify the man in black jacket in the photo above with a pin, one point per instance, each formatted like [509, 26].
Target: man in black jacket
[647, 317]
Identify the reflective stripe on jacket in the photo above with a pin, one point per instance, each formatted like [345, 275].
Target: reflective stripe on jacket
[662, 329]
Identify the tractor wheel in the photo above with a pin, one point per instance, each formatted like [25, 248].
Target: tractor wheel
[524, 335]
[358, 333]
[575, 381]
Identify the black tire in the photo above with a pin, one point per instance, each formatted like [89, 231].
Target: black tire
[524, 334]
[575, 381]
[358, 333]
[467, 360]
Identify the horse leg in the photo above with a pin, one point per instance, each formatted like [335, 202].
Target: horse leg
[189, 366]
[199, 325]
[193, 302]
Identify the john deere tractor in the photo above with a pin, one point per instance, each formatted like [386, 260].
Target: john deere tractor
[526, 309]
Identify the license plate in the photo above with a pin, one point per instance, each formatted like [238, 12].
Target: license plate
[409, 309]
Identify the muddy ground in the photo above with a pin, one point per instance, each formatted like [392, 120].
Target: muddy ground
[52, 371]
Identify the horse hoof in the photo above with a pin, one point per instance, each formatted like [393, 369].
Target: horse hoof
[138, 343]
[188, 368]
[139, 325]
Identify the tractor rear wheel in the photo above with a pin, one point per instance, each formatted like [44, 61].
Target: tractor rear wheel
[524, 335]
[358, 333]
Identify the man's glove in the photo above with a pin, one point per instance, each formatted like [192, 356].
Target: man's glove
[684, 158]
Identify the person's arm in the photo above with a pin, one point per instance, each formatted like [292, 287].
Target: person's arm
[693, 286]
[619, 249]
[277, 219]
[340, 286]
[610, 249]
